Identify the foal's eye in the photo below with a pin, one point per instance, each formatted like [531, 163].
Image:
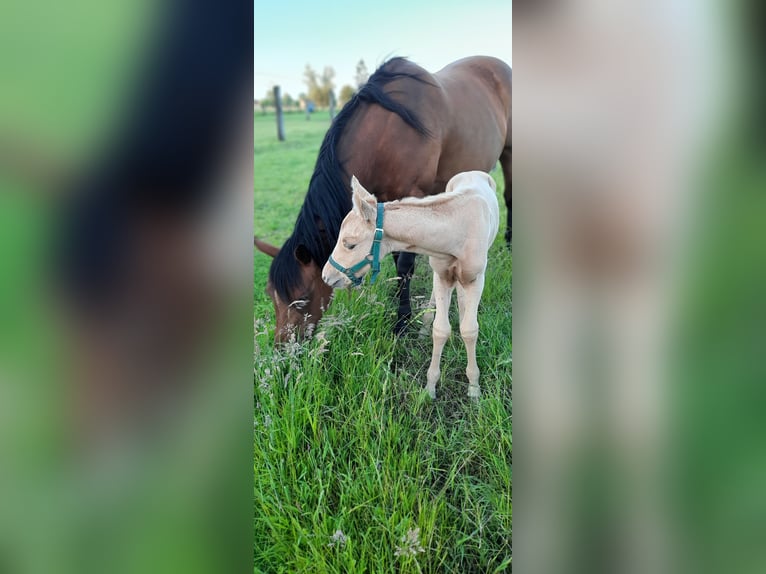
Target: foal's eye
[350, 245]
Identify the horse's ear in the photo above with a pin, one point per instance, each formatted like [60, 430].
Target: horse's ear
[302, 254]
[362, 200]
[266, 248]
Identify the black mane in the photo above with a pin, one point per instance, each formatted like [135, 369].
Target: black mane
[329, 195]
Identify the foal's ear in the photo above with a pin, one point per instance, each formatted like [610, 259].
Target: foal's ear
[362, 200]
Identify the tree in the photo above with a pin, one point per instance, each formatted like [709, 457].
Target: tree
[319, 87]
[267, 101]
[346, 93]
[362, 75]
[288, 101]
[328, 85]
[311, 81]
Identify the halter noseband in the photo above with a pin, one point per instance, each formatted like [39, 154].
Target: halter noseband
[372, 258]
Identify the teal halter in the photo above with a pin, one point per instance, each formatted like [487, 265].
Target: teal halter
[372, 258]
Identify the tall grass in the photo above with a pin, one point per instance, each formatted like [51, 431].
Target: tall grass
[356, 469]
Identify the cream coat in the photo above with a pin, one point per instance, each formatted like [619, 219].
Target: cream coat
[455, 229]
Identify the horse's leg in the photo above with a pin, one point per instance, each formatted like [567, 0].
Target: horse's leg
[405, 266]
[505, 162]
[469, 330]
[441, 330]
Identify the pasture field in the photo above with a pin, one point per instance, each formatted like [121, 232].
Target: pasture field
[356, 469]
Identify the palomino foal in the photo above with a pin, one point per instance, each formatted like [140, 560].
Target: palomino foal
[455, 229]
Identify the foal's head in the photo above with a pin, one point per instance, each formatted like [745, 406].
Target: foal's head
[354, 246]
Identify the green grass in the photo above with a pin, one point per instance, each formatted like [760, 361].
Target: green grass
[345, 437]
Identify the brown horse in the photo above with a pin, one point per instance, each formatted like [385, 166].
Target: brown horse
[405, 134]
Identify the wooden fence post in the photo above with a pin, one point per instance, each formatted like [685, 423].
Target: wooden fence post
[280, 119]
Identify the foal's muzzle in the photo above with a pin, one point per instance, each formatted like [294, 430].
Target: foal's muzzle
[350, 272]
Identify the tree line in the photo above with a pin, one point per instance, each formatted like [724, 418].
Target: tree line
[319, 88]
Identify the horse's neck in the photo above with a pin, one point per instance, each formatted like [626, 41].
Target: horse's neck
[418, 229]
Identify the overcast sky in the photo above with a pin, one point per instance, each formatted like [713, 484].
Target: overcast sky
[292, 33]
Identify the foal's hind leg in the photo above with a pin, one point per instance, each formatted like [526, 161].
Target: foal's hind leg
[505, 162]
[405, 266]
[442, 294]
[469, 330]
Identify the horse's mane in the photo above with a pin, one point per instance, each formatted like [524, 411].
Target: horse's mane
[329, 195]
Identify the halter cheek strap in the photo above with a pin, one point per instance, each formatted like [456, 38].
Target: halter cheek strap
[372, 258]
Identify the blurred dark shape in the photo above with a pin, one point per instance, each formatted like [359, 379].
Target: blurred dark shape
[128, 248]
[170, 145]
[145, 464]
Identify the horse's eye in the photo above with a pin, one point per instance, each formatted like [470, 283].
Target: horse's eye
[350, 245]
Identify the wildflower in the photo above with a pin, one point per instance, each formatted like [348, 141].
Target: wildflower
[410, 543]
[338, 538]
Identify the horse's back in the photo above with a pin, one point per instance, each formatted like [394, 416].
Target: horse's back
[465, 108]
[477, 94]
[493, 71]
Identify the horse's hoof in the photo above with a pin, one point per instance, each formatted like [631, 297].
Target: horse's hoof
[431, 393]
[474, 393]
[402, 326]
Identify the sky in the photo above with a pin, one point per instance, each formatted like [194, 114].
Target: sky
[289, 34]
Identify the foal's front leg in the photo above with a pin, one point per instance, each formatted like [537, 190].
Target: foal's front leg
[442, 294]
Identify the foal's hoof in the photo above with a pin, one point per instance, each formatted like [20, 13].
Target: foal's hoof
[474, 393]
